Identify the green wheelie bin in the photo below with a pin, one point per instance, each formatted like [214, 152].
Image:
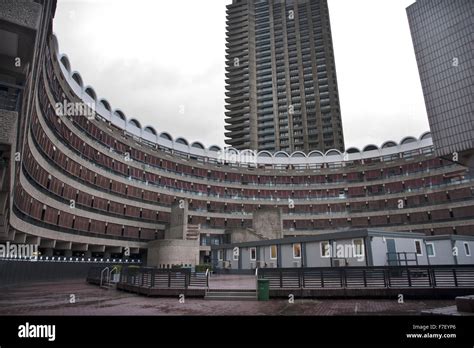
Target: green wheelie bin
[263, 290]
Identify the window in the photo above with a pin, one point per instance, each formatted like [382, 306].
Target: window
[325, 250]
[220, 255]
[358, 247]
[466, 249]
[430, 250]
[273, 252]
[297, 251]
[253, 254]
[418, 247]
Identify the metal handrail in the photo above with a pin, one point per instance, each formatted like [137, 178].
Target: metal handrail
[70, 259]
[102, 274]
[256, 280]
[184, 276]
[114, 269]
[400, 260]
[428, 276]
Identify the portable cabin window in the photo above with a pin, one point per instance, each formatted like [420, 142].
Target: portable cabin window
[253, 254]
[466, 249]
[220, 255]
[358, 247]
[297, 251]
[273, 252]
[430, 250]
[325, 250]
[418, 249]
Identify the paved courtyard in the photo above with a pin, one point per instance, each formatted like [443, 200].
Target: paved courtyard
[79, 298]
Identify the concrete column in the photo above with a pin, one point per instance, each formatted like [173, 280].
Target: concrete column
[279, 260]
[304, 258]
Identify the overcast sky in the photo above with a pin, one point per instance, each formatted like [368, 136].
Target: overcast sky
[162, 62]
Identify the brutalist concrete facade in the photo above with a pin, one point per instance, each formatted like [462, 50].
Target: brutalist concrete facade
[281, 77]
[442, 33]
[166, 253]
[23, 28]
[126, 182]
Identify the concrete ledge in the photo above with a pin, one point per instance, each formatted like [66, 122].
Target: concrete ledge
[163, 292]
[447, 311]
[465, 304]
[93, 281]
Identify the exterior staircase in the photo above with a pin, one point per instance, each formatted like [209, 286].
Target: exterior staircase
[231, 295]
[192, 232]
[259, 235]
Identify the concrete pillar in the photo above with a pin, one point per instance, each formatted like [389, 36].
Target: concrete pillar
[47, 243]
[33, 240]
[20, 238]
[178, 221]
[97, 248]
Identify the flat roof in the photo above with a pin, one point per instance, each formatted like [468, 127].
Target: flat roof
[451, 237]
[341, 234]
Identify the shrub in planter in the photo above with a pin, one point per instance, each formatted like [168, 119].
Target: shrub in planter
[132, 270]
[117, 267]
[203, 267]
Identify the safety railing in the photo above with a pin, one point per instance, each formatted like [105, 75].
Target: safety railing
[174, 278]
[256, 278]
[442, 276]
[402, 258]
[69, 259]
[208, 275]
[104, 276]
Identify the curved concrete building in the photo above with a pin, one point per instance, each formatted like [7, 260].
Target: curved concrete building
[94, 181]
